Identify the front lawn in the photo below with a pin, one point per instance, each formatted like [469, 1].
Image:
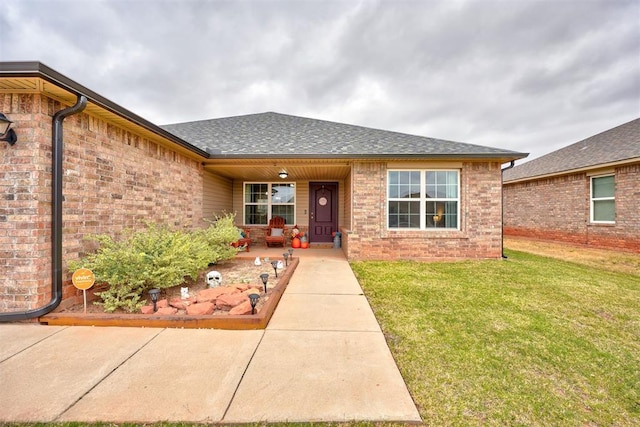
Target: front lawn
[526, 341]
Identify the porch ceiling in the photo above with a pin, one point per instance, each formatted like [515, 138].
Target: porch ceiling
[263, 170]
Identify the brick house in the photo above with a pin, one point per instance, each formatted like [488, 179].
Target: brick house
[84, 165]
[586, 193]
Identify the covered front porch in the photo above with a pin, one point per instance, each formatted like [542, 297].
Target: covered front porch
[313, 194]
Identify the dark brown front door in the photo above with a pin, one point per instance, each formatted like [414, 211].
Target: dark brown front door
[323, 210]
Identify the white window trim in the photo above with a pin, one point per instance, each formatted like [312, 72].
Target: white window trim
[269, 203]
[423, 201]
[593, 199]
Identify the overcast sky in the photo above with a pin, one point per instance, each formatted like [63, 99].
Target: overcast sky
[525, 75]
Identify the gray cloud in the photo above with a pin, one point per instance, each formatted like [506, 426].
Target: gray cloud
[531, 75]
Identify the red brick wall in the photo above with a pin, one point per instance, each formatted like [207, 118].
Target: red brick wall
[480, 234]
[113, 180]
[557, 209]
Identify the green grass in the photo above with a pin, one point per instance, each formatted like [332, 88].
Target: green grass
[526, 341]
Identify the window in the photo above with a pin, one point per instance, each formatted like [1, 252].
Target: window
[262, 201]
[603, 202]
[423, 199]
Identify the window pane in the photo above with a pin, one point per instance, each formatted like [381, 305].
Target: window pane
[394, 178]
[452, 185]
[603, 187]
[283, 193]
[404, 214]
[285, 211]
[442, 185]
[255, 214]
[404, 184]
[255, 193]
[442, 215]
[604, 210]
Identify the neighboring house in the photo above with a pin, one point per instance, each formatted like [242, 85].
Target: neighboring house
[586, 193]
[104, 169]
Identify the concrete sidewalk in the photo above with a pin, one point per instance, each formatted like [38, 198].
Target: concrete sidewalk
[322, 358]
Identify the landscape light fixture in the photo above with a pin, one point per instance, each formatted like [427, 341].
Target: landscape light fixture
[154, 293]
[274, 264]
[265, 278]
[7, 134]
[290, 253]
[283, 174]
[253, 299]
[286, 258]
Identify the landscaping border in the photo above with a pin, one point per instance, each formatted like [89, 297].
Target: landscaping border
[259, 320]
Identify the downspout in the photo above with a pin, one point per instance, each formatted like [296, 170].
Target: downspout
[56, 217]
[513, 163]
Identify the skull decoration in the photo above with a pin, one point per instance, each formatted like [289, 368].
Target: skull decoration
[214, 279]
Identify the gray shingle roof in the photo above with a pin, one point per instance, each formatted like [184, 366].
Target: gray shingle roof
[280, 135]
[614, 145]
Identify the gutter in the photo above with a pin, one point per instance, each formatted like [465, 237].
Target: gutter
[513, 163]
[57, 144]
[40, 70]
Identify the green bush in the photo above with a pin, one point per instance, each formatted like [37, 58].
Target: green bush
[156, 257]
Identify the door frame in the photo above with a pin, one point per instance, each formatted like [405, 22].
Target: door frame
[334, 206]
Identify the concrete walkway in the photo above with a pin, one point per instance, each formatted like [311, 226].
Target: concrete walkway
[323, 357]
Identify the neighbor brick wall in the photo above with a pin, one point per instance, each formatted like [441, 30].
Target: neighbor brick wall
[480, 234]
[557, 209]
[113, 180]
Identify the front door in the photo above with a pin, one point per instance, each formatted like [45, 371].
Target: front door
[323, 211]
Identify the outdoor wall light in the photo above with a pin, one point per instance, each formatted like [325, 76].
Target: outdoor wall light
[283, 174]
[7, 134]
[290, 253]
[286, 258]
[154, 293]
[265, 278]
[253, 299]
[274, 264]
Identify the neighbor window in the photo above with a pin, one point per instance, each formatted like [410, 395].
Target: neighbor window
[263, 201]
[423, 199]
[603, 202]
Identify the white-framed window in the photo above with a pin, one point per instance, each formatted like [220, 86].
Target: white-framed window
[264, 200]
[423, 199]
[603, 200]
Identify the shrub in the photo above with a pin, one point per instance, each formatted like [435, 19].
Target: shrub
[156, 257]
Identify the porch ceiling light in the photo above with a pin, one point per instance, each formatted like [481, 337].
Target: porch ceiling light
[7, 134]
[283, 174]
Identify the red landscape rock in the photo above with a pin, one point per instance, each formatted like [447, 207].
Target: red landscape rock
[147, 309]
[244, 308]
[167, 310]
[180, 303]
[207, 295]
[228, 301]
[163, 303]
[201, 308]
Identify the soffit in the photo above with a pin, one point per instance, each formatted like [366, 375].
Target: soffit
[31, 85]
